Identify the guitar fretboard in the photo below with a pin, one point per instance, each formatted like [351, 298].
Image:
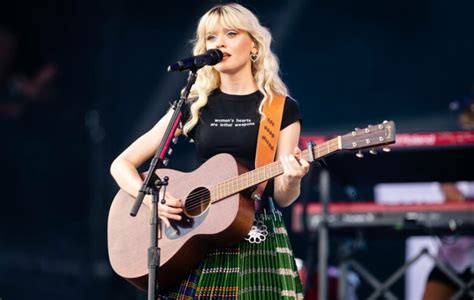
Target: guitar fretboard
[244, 181]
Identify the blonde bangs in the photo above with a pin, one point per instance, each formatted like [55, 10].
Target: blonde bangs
[229, 17]
[233, 21]
[265, 70]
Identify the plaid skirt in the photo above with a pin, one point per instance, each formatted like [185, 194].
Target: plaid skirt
[248, 270]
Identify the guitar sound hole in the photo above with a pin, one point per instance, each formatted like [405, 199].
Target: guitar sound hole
[197, 202]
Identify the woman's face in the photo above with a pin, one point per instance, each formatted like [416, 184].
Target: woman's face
[236, 46]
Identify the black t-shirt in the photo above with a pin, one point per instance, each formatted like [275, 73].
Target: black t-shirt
[230, 123]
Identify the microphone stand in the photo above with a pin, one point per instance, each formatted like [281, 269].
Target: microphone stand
[152, 185]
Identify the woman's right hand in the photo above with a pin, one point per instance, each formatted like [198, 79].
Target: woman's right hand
[171, 209]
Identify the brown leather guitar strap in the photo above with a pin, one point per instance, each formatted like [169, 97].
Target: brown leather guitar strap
[268, 134]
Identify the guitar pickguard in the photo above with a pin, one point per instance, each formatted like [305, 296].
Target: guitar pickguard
[180, 228]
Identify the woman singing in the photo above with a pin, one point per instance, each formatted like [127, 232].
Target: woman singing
[223, 116]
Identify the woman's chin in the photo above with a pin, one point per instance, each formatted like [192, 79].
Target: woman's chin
[228, 70]
[222, 66]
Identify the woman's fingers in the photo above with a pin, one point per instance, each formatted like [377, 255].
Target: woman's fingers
[171, 201]
[165, 217]
[165, 220]
[170, 209]
[294, 165]
[170, 215]
[305, 165]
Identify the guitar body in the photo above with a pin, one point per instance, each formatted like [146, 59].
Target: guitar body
[185, 243]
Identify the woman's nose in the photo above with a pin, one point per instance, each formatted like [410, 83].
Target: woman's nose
[219, 42]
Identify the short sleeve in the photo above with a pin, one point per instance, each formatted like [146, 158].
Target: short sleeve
[291, 113]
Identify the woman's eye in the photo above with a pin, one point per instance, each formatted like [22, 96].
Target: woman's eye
[210, 38]
[231, 34]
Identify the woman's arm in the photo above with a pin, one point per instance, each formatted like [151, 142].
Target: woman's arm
[287, 186]
[124, 167]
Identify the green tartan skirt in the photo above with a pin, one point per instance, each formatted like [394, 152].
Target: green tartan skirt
[264, 270]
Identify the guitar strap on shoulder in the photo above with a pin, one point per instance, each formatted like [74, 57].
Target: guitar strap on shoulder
[268, 134]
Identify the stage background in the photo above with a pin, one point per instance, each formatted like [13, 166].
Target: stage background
[348, 63]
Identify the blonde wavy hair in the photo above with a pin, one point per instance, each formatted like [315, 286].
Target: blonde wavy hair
[265, 69]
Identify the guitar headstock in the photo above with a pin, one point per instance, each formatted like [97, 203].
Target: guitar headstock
[369, 137]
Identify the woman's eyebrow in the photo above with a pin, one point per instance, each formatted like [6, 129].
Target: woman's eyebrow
[224, 29]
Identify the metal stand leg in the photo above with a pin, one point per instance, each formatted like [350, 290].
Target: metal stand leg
[342, 286]
[323, 237]
[469, 288]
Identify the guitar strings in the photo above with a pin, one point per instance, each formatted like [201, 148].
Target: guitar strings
[196, 202]
[205, 203]
[229, 183]
[196, 199]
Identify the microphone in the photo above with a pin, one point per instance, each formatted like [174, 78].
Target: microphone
[210, 58]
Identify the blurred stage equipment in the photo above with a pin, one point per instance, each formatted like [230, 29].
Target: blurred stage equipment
[465, 107]
[407, 219]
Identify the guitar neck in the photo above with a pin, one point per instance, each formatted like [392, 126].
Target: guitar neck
[256, 176]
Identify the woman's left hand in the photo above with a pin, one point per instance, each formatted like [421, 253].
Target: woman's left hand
[294, 167]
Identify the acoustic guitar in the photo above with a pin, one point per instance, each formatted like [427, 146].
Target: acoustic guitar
[217, 210]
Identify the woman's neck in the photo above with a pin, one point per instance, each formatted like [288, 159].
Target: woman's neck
[238, 84]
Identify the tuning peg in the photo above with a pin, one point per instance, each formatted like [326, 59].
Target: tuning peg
[359, 154]
[373, 151]
[357, 128]
[386, 149]
[170, 151]
[175, 140]
[166, 162]
[385, 122]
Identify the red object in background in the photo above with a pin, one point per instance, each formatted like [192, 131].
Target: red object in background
[313, 290]
[418, 139]
[378, 209]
